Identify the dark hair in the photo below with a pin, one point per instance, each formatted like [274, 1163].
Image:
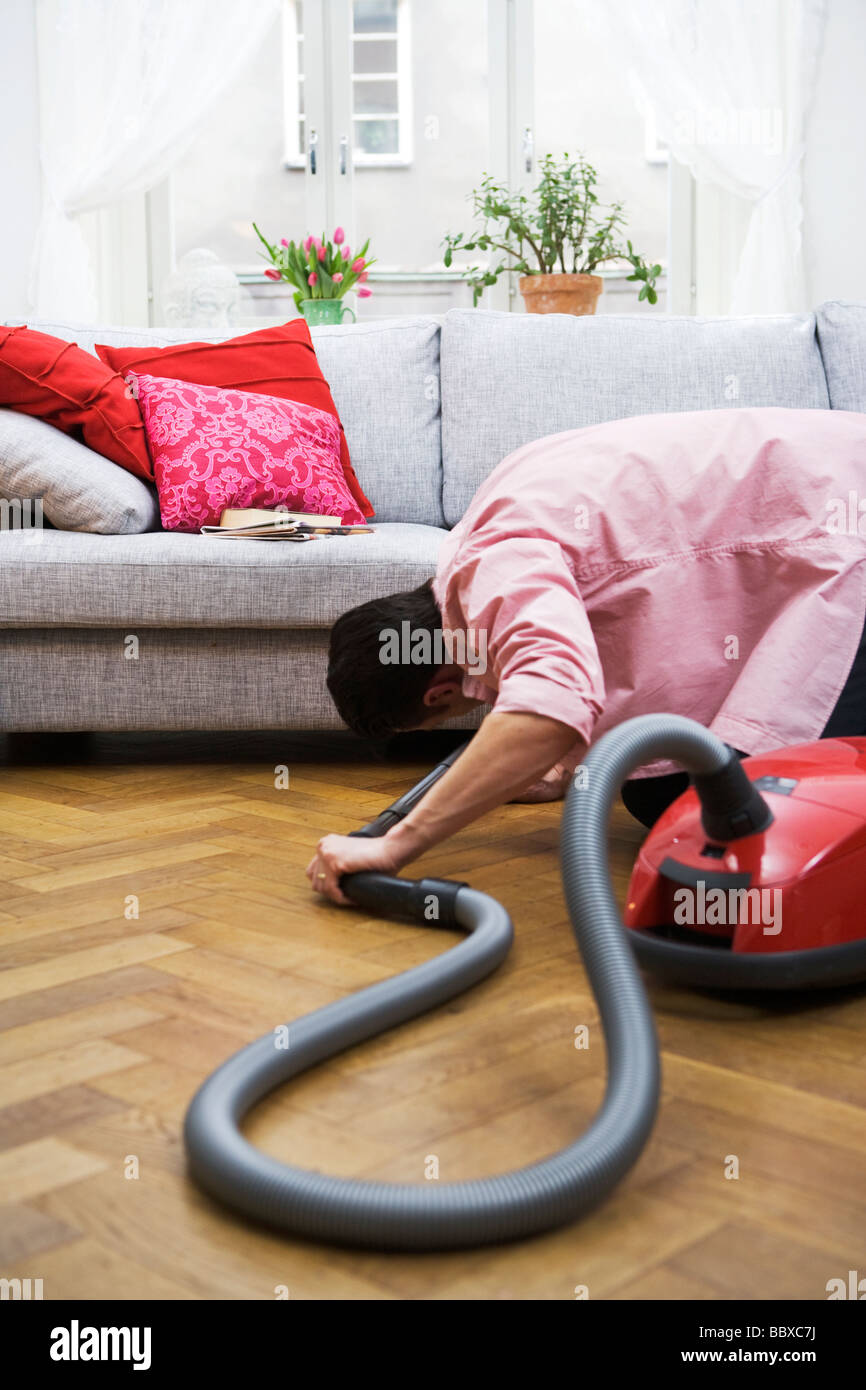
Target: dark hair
[375, 697]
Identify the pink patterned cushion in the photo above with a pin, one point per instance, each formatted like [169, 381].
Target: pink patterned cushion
[214, 448]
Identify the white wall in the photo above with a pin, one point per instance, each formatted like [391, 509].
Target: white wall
[19, 153]
[834, 227]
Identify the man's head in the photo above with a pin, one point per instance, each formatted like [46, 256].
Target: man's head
[378, 695]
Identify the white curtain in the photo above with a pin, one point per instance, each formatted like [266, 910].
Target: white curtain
[124, 86]
[728, 84]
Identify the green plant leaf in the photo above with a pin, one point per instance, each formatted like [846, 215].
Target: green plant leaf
[560, 224]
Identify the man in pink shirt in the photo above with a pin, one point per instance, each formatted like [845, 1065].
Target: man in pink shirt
[708, 564]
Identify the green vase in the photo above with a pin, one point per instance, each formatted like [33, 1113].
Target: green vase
[325, 310]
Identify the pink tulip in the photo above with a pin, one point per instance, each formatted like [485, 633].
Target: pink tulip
[273, 274]
[338, 278]
[321, 253]
[362, 277]
[312, 278]
[346, 253]
[308, 243]
[359, 263]
[283, 241]
[364, 293]
[339, 236]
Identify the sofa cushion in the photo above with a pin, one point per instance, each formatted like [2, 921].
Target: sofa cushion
[842, 336]
[53, 380]
[169, 579]
[508, 379]
[384, 377]
[214, 448]
[79, 489]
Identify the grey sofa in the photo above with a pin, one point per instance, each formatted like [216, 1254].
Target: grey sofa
[234, 635]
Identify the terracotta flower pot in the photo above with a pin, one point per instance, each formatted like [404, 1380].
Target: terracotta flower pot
[560, 294]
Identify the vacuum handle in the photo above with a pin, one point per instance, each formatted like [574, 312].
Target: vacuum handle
[380, 893]
[431, 902]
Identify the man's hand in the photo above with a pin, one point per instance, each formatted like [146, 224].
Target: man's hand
[344, 854]
[551, 787]
[510, 753]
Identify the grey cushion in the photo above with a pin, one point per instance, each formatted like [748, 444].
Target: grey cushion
[79, 489]
[384, 377]
[166, 579]
[842, 336]
[510, 378]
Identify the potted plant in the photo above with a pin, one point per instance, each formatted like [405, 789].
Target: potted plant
[557, 236]
[322, 272]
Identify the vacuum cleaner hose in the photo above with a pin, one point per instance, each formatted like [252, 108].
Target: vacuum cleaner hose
[559, 1188]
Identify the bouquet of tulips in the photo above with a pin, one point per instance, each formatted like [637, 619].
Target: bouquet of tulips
[319, 269]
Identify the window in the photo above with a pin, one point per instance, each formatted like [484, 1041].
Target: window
[381, 108]
[474, 88]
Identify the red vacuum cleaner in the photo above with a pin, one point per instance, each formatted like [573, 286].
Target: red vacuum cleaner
[776, 903]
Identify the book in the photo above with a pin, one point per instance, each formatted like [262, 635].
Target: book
[259, 524]
[258, 516]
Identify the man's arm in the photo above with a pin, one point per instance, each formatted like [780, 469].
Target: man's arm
[507, 754]
[520, 592]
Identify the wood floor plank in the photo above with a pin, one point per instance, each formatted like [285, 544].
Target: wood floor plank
[251, 1264]
[69, 1066]
[78, 965]
[80, 1025]
[94, 870]
[26, 1232]
[85, 1269]
[30, 1170]
[53, 1113]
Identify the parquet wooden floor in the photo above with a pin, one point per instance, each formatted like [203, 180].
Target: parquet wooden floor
[156, 917]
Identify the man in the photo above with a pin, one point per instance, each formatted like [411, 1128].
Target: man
[708, 564]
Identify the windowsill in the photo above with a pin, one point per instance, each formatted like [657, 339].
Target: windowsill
[439, 277]
[380, 277]
[373, 161]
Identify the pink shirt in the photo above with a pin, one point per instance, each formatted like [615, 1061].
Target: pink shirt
[709, 564]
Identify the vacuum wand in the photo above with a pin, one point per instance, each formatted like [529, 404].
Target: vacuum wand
[399, 809]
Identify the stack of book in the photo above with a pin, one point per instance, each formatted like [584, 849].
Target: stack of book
[255, 525]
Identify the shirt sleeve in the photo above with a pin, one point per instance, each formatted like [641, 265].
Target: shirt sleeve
[521, 606]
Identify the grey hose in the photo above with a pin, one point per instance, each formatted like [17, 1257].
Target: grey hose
[433, 1215]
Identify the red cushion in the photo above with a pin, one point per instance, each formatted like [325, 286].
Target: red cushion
[278, 362]
[71, 389]
[214, 449]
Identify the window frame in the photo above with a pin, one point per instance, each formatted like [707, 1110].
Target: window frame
[295, 157]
